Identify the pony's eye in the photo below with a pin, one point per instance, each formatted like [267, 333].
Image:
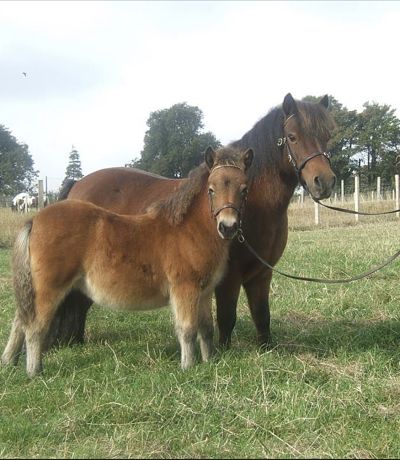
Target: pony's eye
[211, 191]
[291, 137]
[244, 192]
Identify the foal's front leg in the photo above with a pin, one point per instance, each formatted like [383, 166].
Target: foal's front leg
[185, 304]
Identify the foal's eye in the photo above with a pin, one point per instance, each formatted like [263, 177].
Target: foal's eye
[244, 192]
[211, 191]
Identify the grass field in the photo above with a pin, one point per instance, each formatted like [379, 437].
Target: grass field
[330, 387]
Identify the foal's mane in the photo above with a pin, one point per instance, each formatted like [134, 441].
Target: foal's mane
[176, 206]
[314, 120]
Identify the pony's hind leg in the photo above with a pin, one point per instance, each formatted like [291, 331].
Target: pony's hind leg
[15, 342]
[206, 328]
[185, 302]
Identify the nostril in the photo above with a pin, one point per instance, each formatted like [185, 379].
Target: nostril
[317, 181]
[228, 230]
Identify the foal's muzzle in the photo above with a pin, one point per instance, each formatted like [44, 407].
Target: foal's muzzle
[228, 232]
[228, 226]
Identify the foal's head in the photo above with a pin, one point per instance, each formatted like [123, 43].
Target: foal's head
[227, 187]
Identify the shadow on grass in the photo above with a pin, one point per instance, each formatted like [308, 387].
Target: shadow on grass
[323, 336]
[292, 334]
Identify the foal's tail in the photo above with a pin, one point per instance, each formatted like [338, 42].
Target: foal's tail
[22, 275]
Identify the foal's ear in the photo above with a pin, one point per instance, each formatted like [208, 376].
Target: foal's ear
[289, 105]
[209, 157]
[248, 158]
[325, 101]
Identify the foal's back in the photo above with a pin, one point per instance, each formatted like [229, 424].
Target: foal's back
[124, 262]
[111, 258]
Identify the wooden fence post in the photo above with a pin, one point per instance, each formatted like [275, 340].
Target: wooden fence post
[316, 213]
[378, 188]
[342, 190]
[40, 195]
[356, 196]
[396, 181]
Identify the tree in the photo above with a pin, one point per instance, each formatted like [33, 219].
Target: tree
[379, 141]
[17, 173]
[74, 169]
[174, 143]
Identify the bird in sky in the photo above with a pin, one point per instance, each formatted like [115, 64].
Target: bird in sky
[24, 74]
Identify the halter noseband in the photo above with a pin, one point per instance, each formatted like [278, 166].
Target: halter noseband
[214, 213]
[292, 160]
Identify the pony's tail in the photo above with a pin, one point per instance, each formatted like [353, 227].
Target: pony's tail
[22, 275]
[66, 188]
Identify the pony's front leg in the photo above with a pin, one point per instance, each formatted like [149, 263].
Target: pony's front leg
[15, 342]
[227, 294]
[185, 304]
[257, 291]
[206, 327]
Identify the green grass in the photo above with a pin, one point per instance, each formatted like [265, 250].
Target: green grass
[330, 387]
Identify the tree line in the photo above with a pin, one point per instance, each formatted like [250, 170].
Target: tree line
[366, 143]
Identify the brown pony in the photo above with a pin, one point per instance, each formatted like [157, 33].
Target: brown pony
[174, 253]
[289, 145]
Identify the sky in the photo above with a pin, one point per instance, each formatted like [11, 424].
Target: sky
[96, 70]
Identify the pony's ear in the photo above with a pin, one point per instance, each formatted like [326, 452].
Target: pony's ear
[325, 101]
[289, 105]
[248, 158]
[209, 157]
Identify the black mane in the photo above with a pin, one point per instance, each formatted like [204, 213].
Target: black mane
[313, 119]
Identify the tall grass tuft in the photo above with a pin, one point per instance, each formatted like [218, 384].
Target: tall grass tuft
[10, 222]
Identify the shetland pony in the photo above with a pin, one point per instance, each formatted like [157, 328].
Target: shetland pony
[174, 253]
[289, 145]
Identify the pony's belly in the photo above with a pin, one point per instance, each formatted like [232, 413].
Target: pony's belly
[132, 297]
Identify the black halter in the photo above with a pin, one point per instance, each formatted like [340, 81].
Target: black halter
[292, 158]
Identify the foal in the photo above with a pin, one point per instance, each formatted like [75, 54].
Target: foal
[174, 253]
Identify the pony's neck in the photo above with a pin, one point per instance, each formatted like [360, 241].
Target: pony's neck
[271, 175]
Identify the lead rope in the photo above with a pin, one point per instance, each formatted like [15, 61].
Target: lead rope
[350, 211]
[242, 240]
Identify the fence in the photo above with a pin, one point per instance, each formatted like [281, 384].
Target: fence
[379, 199]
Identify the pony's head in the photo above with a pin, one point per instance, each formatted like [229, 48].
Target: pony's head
[227, 187]
[306, 131]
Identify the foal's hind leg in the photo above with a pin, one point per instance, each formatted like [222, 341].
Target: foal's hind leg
[206, 328]
[14, 345]
[185, 302]
[36, 331]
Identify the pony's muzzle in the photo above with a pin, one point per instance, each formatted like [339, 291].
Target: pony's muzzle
[228, 230]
